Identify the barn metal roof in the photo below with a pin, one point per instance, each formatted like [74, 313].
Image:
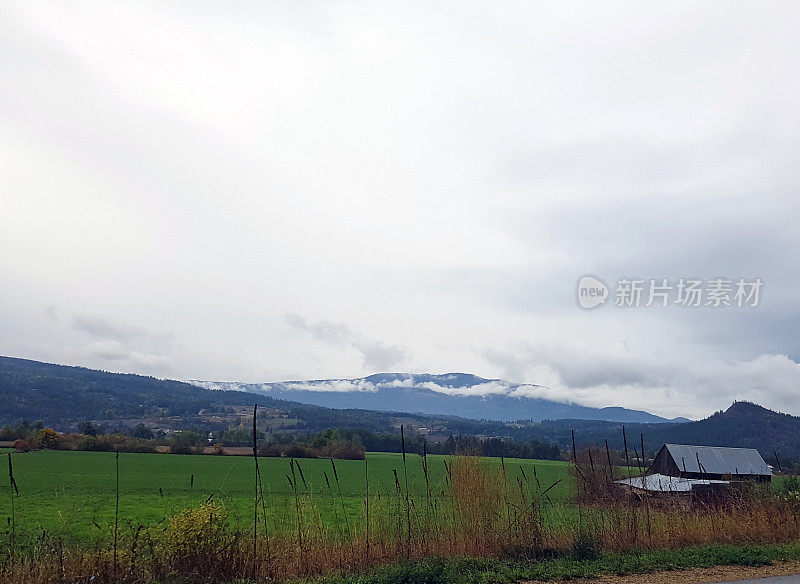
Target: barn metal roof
[666, 484]
[718, 460]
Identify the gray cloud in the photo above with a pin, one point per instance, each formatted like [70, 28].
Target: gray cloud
[436, 177]
[681, 382]
[52, 313]
[116, 356]
[100, 327]
[122, 347]
[378, 356]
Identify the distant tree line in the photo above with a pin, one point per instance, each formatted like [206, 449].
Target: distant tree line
[344, 443]
[415, 443]
[27, 437]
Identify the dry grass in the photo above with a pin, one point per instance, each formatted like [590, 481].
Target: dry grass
[617, 519]
[480, 511]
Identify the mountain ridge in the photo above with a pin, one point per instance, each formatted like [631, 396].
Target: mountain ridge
[62, 395]
[455, 394]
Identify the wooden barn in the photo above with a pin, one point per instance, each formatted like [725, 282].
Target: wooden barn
[710, 463]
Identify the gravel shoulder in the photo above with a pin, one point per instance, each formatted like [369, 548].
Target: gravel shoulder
[700, 575]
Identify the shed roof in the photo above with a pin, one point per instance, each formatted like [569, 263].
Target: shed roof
[666, 484]
[718, 460]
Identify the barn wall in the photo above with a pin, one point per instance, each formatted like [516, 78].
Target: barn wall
[663, 464]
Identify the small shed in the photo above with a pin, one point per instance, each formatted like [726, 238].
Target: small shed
[677, 489]
[714, 463]
[665, 484]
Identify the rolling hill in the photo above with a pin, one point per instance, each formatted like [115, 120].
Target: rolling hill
[742, 425]
[61, 395]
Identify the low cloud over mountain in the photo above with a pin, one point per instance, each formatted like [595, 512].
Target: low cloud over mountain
[459, 394]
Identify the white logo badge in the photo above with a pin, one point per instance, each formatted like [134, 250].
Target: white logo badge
[592, 292]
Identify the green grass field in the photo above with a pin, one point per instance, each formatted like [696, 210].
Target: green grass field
[73, 493]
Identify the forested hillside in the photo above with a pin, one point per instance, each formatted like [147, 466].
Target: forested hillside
[742, 425]
[62, 395]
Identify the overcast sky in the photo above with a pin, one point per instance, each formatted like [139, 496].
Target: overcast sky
[295, 190]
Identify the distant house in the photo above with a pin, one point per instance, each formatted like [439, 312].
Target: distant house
[710, 463]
